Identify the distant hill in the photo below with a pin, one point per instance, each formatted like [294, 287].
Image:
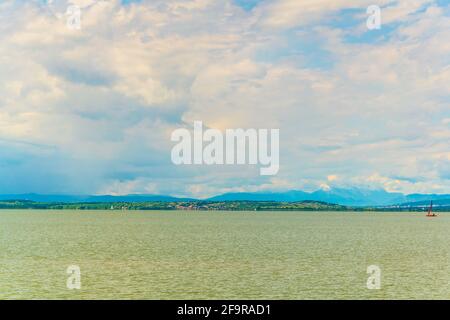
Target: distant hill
[346, 197]
[180, 205]
[201, 205]
[90, 198]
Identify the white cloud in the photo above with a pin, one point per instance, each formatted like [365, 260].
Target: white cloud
[108, 95]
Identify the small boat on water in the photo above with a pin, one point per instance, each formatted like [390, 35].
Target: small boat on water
[430, 212]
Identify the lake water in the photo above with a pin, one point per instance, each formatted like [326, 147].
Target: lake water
[223, 255]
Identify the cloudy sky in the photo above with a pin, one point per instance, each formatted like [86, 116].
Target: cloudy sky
[92, 110]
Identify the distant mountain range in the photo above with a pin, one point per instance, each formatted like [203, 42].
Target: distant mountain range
[347, 197]
[340, 196]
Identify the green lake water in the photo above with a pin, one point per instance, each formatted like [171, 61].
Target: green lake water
[223, 255]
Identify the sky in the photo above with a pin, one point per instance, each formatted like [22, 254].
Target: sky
[91, 111]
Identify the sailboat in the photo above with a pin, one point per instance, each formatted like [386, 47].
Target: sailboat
[430, 211]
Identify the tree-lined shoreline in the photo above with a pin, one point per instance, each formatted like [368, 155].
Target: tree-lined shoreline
[207, 206]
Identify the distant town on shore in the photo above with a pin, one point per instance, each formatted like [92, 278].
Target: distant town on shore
[333, 199]
[210, 206]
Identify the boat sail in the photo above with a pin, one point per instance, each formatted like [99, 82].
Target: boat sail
[430, 211]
